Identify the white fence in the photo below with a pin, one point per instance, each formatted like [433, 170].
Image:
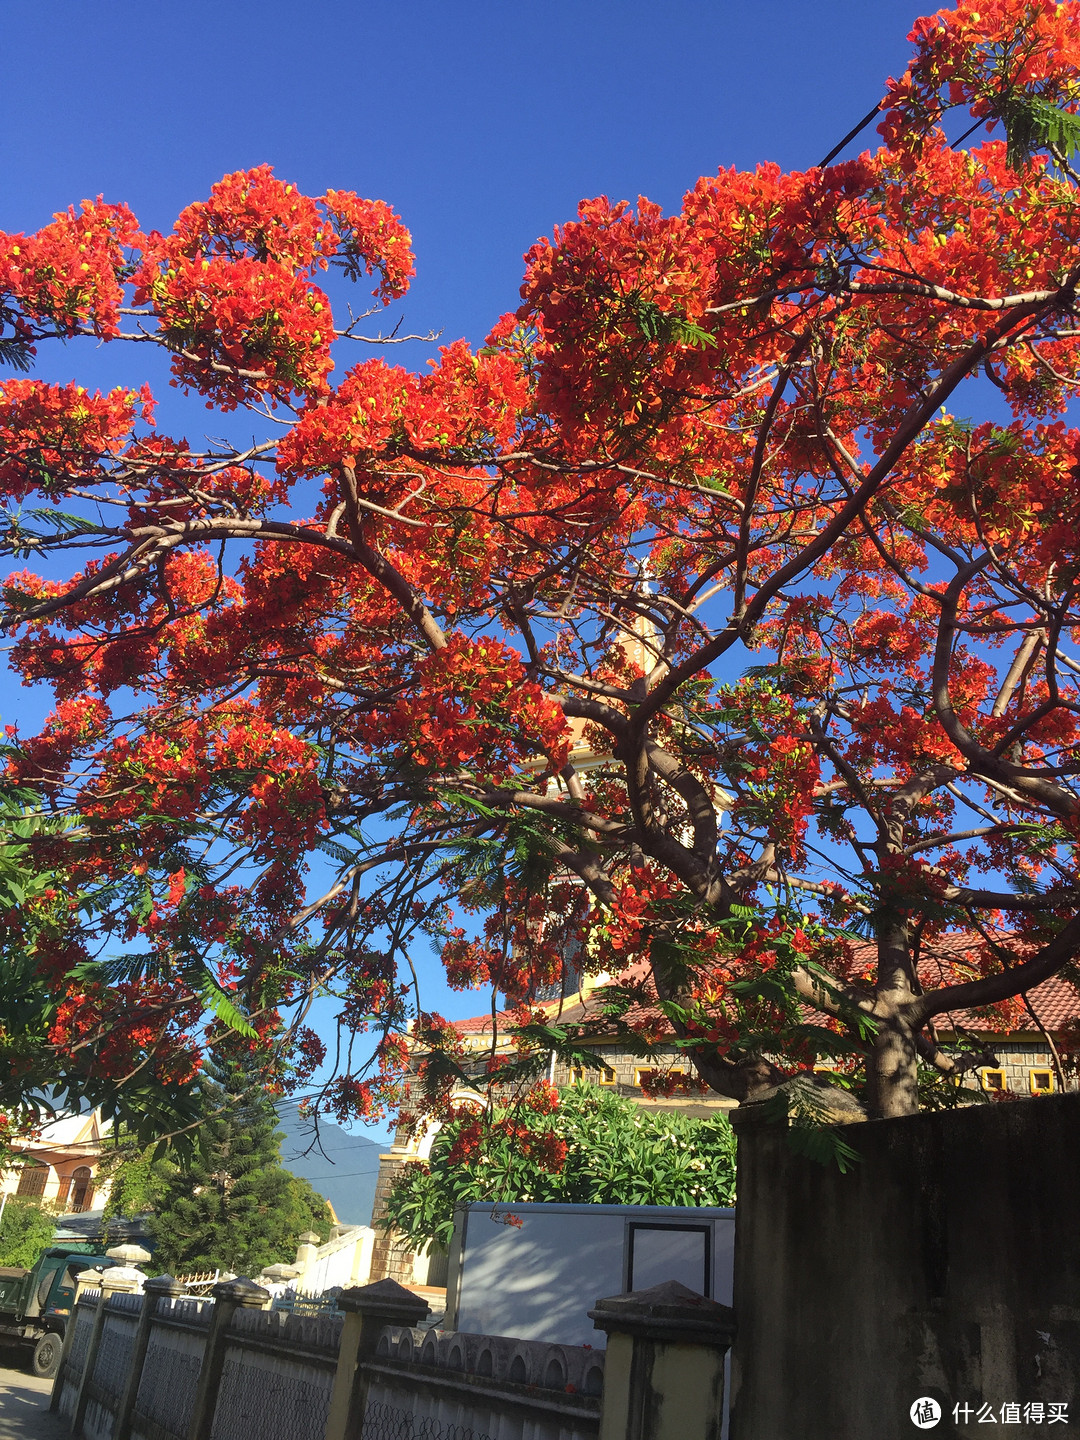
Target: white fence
[158, 1366]
[445, 1383]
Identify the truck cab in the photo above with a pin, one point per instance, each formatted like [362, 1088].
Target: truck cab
[35, 1304]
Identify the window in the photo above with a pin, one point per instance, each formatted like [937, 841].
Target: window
[993, 1080]
[33, 1178]
[604, 1076]
[82, 1191]
[670, 1252]
[648, 1071]
[1041, 1081]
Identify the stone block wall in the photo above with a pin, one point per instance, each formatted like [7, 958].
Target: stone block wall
[391, 1255]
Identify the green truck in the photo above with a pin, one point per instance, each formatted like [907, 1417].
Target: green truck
[35, 1305]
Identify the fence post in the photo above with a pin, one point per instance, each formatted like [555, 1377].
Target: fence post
[83, 1281]
[368, 1310]
[154, 1290]
[307, 1253]
[664, 1371]
[118, 1280]
[229, 1296]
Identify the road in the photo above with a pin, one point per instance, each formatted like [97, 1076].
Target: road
[24, 1403]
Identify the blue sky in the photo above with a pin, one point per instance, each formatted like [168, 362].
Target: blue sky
[483, 122]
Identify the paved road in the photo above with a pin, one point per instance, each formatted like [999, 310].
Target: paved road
[24, 1404]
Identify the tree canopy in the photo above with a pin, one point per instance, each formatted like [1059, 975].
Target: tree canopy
[602, 1149]
[715, 615]
[41, 921]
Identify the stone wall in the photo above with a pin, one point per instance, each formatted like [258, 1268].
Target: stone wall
[622, 1076]
[1018, 1058]
[391, 1254]
[945, 1264]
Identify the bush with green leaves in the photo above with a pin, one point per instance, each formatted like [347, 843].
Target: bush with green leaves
[618, 1153]
[26, 1229]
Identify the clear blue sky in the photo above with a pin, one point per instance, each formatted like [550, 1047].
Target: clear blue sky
[483, 122]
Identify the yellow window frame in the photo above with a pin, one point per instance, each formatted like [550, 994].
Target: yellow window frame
[640, 1070]
[606, 1076]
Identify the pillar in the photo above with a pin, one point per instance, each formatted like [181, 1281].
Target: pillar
[368, 1310]
[83, 1282]
[664, 1371]
[307, 1252]
[120, 1280]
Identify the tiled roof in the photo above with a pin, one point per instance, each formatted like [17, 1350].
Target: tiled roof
[1055, 1002]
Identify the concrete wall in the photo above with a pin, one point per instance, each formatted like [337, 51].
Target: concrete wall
[945, 1264]
[446, 1385]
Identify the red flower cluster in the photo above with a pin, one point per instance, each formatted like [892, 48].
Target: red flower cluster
[71, 273]
[52, 435]
[232, 289]
[975, 54]
[473, 704]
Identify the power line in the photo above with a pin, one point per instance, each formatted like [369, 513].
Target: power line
[850, 136]
[346, 1175]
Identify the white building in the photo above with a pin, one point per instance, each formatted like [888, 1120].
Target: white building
[60, 1165]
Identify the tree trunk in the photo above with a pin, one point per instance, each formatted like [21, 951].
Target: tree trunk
[892, 1064]
[892, 1068]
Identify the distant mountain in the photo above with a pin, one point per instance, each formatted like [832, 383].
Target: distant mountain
[341, 1166]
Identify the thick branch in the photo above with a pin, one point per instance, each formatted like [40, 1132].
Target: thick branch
[1005, 984]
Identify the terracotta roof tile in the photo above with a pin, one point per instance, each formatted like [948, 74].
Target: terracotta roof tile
[1055, 1002]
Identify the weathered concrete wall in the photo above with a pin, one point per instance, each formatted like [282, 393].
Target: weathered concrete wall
[945, 1264]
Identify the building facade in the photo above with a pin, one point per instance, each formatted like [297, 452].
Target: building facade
[1021, 1061]
[61, 1166]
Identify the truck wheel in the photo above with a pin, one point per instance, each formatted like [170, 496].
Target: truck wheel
[47, 1356]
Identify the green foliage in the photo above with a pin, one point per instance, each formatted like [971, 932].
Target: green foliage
[25, 1231]
[233, 1205]
[44, 918]
[618, 1153]
[664, 326]
[1032, 125]
[137, 1183]
[947, 1092]
[809, 1107]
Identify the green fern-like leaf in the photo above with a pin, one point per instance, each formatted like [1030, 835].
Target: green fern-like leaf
[16, 353]
[1032, 125]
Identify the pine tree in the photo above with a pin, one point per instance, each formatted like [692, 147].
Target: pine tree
[234, 1206]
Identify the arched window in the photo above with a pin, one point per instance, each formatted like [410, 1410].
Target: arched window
[82, 1191]
[32, 1180]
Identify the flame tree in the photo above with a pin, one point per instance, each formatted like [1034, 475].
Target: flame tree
[707, 509]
